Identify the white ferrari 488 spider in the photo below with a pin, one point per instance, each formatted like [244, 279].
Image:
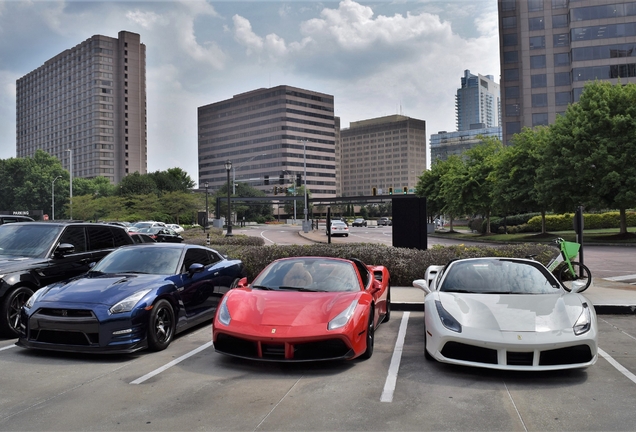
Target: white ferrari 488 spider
[505, 313]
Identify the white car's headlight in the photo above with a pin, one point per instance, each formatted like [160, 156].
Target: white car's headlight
[224, 313]
[584, 323]
[447, 319]
[127, 304]
[343, 317]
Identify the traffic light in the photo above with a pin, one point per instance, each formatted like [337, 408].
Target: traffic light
[275, 190]
[298, 178]
[405, 190]
[390, 191]
[281, 179]
[374, 191]
[266, 180]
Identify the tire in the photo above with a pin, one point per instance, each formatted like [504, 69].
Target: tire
[370, 337]
[387, 316]
[566, 278]
[11, 307]
[161, 325]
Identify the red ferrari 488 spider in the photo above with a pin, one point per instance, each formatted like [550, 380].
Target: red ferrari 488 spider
[304, 309]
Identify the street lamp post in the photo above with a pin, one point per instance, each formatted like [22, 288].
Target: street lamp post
[71, 185]
[53, 197]
[206, 207]
[228, 167]
[305, 221]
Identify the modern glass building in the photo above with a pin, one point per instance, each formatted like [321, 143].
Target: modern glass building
[551, 48]
[88, 104]
[477, 102]
[381, 153]
[269, 135]
[445, 144]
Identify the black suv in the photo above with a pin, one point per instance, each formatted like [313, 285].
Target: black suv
[35, 254]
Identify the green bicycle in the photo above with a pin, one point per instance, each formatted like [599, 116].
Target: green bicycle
[569, 272]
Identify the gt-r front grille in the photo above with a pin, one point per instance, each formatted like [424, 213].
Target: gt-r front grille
[471, 353]
[72, 313]
[564, 356]
[64, 327]
[65, 337]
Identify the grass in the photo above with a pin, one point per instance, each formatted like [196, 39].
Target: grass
[605, 236]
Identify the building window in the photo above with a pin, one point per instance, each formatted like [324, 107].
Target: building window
[603, 11]
[562, 98]
[512, 92]
[537, 62]
[604, 52]
[508, 5]
[535, 5]
[512, 110]
[537, 42]
[604, 31]
[511, 75]
[509, 22]
[561, 40]
[510, 39]
[562, 79]
[540, 119]
[559, 21]
[539, 100]
[513, 127]
[511, 56]
[536, 23]
[559, 4]
[538, 81]
[562, 59]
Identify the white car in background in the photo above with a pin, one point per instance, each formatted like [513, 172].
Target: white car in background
[506, 313]
[339, 228]
[176, 228]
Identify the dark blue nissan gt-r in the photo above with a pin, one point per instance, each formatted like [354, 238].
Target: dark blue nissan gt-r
[136, 297]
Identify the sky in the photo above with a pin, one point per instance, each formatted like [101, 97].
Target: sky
[376, 58]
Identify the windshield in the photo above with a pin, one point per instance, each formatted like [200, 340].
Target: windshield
[29, 240]
[498, 276]
[309, 274]
[141, 259]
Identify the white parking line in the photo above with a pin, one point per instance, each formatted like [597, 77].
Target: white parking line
[621, 278]
[391, 378]
[7, 347]
[619, 367]
[266, 238]
[172, 363]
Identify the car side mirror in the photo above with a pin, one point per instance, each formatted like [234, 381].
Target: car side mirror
[422, 284]
[64, 249]
[242, 283]
[195, 268]
[577, 286]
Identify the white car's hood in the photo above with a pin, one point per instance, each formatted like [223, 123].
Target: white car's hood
[514, 312]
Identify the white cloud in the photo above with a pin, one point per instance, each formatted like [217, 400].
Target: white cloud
[146, 20]
[245, 36]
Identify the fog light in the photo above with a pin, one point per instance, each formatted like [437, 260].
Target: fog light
[119, 332]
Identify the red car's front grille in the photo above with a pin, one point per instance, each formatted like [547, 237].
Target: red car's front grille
[330, 349]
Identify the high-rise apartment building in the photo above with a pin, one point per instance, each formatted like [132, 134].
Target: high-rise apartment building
[381, 153]
[269, 135]
[477, 102]
[551, 48]
[88, 104]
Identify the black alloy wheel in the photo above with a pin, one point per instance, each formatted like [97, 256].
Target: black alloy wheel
[11, 308]
[161, 326]
[370, 337]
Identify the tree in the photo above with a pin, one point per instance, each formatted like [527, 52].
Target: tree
[588, 159]
[137, 184]
[180, 204]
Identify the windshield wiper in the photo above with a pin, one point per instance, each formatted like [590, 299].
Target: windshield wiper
[262, 287]
[295, 288]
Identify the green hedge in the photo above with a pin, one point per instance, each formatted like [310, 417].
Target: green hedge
[404, 265]
[590, 221]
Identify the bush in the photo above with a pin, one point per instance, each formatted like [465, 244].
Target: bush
[590, 221]
[404, 265]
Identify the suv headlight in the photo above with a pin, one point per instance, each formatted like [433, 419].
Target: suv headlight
[343, 317]
[127, 304]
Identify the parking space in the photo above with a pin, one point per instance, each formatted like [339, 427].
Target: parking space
[189, 386]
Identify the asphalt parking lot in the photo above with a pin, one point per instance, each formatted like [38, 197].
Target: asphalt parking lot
[190, 387]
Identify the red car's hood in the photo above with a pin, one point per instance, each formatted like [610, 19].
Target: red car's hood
[287, 308]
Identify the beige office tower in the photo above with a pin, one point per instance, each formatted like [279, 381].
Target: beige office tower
[269, 135]
[87, 106]
[382, 155]
[549, 49]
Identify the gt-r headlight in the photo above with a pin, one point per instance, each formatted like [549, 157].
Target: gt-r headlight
[343, 317]
[127, 304]
[36, 295]
[224, 313]
[447, 319]
[584, 323]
